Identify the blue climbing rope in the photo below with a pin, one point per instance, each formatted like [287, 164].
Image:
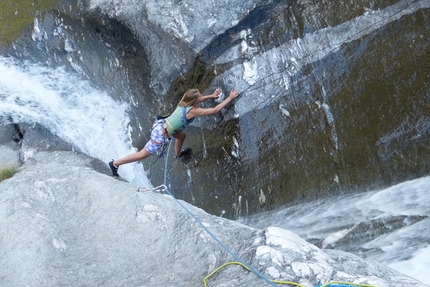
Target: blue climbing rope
[207, 230]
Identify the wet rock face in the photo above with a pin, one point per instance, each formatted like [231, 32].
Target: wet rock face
[334, 98]
[327, 106]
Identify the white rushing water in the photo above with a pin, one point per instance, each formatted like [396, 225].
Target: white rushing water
[71, 108]
[405, 249]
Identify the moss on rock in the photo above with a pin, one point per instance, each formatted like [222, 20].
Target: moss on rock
[16, 15]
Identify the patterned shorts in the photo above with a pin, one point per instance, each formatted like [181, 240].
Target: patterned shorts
[157, 137]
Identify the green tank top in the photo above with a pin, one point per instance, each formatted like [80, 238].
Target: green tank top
[178, 120]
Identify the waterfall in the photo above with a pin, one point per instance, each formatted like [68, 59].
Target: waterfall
[71, 108]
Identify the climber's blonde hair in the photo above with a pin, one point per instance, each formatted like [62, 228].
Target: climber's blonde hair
[190, 98]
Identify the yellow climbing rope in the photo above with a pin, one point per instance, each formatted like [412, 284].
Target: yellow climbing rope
[282, 282]
[244, 266]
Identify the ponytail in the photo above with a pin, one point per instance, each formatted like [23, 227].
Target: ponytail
[190, 98]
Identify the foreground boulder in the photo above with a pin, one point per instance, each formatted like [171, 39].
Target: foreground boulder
[62, 223]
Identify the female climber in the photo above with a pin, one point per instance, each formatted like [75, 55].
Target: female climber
[174, 125]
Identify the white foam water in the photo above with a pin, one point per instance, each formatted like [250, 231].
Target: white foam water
[405, 249]
[70, 107]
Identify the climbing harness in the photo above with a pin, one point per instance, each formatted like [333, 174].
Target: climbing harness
[160, 152]
[239, 261]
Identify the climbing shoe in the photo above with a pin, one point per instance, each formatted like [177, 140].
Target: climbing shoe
[113, 168]
[184, 152]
